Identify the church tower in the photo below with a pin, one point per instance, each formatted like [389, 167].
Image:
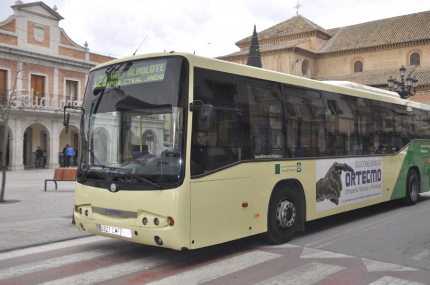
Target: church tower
[254, 58]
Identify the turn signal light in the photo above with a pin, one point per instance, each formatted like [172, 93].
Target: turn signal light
[170, 221]
[76, 208]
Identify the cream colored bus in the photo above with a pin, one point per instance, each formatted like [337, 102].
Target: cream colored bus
[183, 152]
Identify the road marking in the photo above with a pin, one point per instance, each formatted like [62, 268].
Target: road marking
[60, 261]
[284, 245]
[374, 266]
[393, 280]
[218, 269]
[121, 269]
[317, 253]
[51, 246]
[347, 233]
[306, 274]
[421, 255]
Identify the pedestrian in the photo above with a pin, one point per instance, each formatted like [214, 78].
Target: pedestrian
[75, 156]
[69, 154]
[39, 157]
[64, 156]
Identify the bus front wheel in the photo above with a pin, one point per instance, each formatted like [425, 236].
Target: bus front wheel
[412, 187]
[284, 210]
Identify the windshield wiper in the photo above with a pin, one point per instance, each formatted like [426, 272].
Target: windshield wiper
[136, 176]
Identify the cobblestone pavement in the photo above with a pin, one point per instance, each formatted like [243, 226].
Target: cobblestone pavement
[30, 216]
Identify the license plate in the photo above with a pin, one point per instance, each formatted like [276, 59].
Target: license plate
[115, 231]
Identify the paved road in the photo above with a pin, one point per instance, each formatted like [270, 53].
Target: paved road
[99, 260]
[32, 216]
[34, 223]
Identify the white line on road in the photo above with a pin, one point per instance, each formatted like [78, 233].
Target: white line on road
[374, 266]
[421, 255]
[306, 274]
[117, 270]
[394, 281]
[317, 253]
[49, 247]
[60, 261]
[218, 269]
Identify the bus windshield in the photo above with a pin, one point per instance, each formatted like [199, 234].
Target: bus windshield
[132, 133]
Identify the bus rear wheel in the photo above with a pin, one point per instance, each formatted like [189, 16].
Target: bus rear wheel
[284, 210]
[412, 187]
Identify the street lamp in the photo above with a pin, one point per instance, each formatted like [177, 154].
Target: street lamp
[405, 85]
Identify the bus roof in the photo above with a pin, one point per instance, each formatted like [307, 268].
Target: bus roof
[345, 87]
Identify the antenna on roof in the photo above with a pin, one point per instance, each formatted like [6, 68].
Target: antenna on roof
[140, 45]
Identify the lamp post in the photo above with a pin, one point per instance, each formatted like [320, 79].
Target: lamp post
[405, 85]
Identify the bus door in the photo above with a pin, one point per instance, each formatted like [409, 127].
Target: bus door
[221, 200]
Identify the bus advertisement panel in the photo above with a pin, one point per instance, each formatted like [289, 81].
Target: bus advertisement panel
[352, 181]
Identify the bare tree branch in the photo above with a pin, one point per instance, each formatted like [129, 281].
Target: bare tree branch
[7, 99]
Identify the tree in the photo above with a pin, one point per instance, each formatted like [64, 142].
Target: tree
[7, 100]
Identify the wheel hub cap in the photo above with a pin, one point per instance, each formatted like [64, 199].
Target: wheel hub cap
[285, 214]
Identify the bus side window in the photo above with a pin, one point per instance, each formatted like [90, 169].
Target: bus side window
[265, 111]
[305, 124]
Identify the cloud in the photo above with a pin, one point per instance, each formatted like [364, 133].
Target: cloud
[209, 27]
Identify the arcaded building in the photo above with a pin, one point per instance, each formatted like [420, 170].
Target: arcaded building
[41, 71]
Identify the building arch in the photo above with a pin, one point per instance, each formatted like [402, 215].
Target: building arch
[414, 58]
[358, 66]
[71, 125]
[33, 122]
[305, 68]
[36, 133]
[354, 62]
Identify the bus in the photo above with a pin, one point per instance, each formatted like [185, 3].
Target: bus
[184, 152]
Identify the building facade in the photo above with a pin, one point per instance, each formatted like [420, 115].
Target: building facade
[367, 53]
[41, 71]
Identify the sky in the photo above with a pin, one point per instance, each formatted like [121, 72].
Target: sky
[207, 27]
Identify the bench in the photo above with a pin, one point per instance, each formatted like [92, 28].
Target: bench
[63, 174]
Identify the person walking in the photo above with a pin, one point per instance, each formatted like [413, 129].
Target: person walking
[64, 156]
[69, 154]
[39, 157]
[75, 156]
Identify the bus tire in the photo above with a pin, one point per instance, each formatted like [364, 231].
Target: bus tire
[412, 187]
[285, 208]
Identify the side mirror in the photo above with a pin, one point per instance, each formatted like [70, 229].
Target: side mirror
[66, 120]
[67, 115]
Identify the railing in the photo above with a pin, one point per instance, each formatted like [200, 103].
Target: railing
[42, 101]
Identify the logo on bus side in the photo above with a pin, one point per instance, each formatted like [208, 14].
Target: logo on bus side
[288, 168]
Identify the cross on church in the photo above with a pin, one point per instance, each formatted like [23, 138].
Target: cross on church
[297, 7]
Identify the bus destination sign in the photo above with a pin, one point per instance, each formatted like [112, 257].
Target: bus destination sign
[138, 73]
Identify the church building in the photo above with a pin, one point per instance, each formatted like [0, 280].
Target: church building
[368, 53]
